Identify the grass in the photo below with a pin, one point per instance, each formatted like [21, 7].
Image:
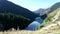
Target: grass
[51, 15]
[49, 18]
[53, 30]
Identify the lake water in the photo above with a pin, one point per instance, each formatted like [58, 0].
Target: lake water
[34, 24]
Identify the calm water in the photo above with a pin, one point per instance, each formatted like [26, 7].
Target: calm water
[34, 24]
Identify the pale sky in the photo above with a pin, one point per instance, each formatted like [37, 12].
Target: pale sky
[35, 4]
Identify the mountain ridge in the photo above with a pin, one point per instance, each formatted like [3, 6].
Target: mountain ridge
[9, 7]
[52, 15]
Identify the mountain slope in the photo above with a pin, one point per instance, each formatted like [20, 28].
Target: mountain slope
[9, 7]
[39, 11]
[51, 18]
[52, 15]
[8, 21]
[52, 8]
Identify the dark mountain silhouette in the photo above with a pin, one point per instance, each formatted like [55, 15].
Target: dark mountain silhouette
[8, 21]
[9, 7]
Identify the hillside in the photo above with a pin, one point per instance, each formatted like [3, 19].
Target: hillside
[52, 15]
[9, 12]
[10, 7]
[8, 21]
[40, 11]
[51, 18]
[53, 7]
[50, 24]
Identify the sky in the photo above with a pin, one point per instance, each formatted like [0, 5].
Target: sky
[34, 5]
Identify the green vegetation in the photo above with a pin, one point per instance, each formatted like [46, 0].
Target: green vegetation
[52, 8]
[10, 15]
[13, 21]
[39, 27]
[49, 19]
